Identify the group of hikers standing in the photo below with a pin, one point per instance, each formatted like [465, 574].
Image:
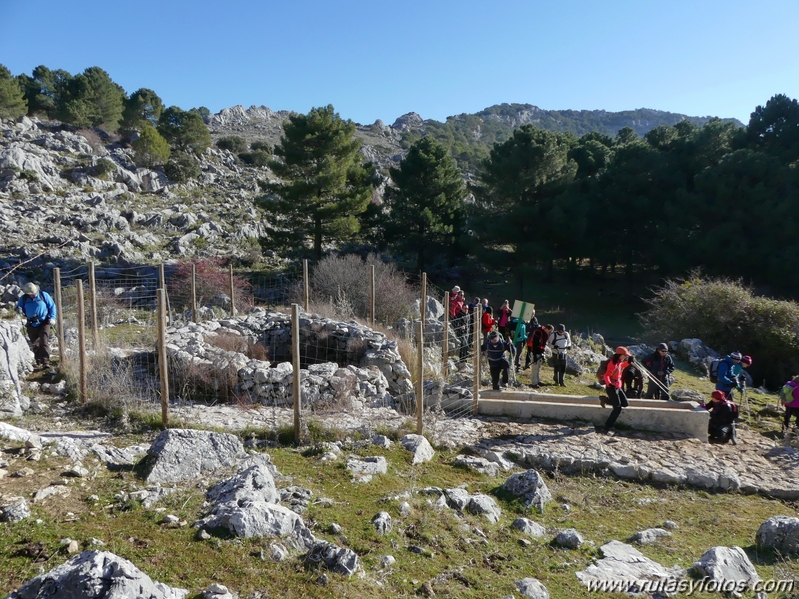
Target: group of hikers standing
[505, 338]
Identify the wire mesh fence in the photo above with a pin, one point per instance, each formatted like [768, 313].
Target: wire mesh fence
[347, 366]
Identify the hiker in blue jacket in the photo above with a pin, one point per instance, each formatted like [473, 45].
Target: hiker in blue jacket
[38, 307]
[495, 349]
[729, 368]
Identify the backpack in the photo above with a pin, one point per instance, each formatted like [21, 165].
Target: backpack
[600, 372]
[786, 394]
[713, 370]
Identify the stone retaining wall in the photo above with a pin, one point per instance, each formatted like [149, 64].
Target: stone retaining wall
[366, 366]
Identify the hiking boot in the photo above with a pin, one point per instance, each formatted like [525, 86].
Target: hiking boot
[602, 402]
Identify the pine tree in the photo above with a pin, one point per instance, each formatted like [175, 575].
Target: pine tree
[93, 100]
[12, 102]
[150, 147]
[426, 206]
[324, 183]
[184, 130]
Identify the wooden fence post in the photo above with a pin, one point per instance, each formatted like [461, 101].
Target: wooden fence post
[232, 291]
[420, 382]
[295, 361]
[306, 287]
[193, 292]
[82, 394]
[476, 392]
[93, 306]
[445, 340]
[59, 311]
[372, 294]
[163, 363]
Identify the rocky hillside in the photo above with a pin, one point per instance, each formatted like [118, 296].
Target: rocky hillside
[384, 144]
[67, 196]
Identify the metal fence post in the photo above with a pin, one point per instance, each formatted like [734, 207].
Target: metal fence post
[372, 294]
[93, 306]
[445, 340]
[476, 392]
[193, 292]
[232, 296]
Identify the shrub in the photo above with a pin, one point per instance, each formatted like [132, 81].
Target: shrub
[234, 143]
[727, 316]
[182, 167]
[344, 281]
[103, 167]
[151, 148]
[261, 146]
[238, 343]
[255, 158]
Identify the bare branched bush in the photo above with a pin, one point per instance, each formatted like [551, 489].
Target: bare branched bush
[239, 343]
[212, 285]
[343, 281]
[728, 316]
[115, 383]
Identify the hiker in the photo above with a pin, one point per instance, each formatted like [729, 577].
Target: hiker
[633, 379]
[38, 307]
[458, 317]
[791, 408]
[723, 413]
[537, 346]
[519, 339]
[612, 379]
[495, 349]
[728, 371]
[487, 322]
[503, 319]
[660, 366]
[560, 341]
[744, 378]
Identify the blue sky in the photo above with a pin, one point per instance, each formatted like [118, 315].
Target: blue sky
[379, 60]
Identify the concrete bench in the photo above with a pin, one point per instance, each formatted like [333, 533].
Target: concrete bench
[686, 417]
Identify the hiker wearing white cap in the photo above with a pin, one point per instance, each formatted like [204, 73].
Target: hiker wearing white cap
[39, 308]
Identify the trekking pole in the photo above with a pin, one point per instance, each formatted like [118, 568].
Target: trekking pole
[745, 397]
[649, 377]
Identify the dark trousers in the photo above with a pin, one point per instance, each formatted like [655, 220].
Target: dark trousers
[786, 421]
[618, 400]
[720, 434]
[560, 368]
[461, 332]
[517, 360]
[40, 342]
[500, 367]
[655, 392]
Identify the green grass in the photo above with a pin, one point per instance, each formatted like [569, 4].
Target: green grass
[458, 560]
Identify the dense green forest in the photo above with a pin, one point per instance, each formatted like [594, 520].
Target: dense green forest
[470, 137]
[718, 197]
[711, 195]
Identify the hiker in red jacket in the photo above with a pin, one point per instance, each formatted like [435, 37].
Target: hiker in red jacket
[612, 378]
[487, 322]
